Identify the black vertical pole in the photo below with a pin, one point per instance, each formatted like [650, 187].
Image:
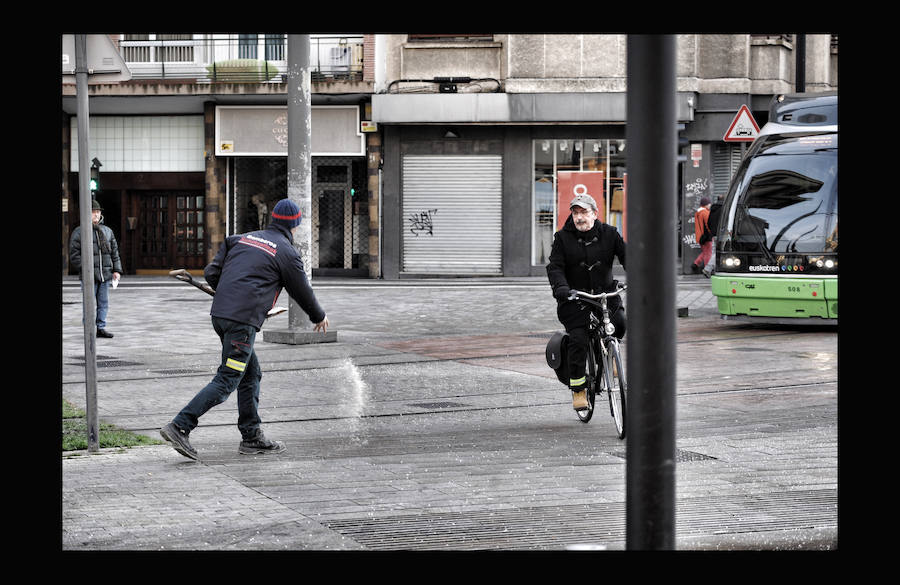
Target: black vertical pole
[800, 82]
[652, 140]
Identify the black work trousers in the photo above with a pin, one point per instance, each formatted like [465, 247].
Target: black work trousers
[576, 321]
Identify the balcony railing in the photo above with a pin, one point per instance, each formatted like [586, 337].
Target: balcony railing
[238, 58]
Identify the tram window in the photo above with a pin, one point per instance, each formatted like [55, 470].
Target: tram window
[787, 203]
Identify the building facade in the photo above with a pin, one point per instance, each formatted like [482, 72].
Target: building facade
[194, 146]
[488, 137]
[433, 155]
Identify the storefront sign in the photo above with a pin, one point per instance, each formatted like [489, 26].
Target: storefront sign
[263, 131]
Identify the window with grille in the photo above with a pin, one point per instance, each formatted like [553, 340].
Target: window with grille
[449, 37]
[158, 48]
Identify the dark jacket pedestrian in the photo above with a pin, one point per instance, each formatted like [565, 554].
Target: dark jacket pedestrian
[247, 273]
[107, 263]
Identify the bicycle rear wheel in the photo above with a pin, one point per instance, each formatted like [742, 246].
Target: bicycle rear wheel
[615, 373]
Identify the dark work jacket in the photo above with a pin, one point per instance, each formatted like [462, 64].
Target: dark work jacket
[249, 271]
[583, 261]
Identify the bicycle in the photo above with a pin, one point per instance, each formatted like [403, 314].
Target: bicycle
[604, 350]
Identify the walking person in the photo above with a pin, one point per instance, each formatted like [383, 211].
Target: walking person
[703, 235]
[247, 273]
[581, 258]
[715, 211]
[107, 263]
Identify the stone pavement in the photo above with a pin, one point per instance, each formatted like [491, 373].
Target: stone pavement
[433, 423]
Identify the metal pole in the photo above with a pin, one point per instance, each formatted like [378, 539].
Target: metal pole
[652, 140]
[89, 308]
[299, 172]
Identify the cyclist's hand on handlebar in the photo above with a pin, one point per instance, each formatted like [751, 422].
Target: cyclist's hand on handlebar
[561, 293]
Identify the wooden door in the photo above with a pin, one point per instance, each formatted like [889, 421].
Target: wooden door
[172, 231]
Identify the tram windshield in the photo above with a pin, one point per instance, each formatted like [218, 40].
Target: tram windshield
[784, 200]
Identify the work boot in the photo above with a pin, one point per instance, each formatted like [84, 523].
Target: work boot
[580, 400]
[104, 333]
[179, 441]
[260, 444]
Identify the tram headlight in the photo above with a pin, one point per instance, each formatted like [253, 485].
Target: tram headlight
[732, 261]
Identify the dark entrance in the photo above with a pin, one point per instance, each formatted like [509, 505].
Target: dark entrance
[171, 227]
[331, 229]
[332, 186]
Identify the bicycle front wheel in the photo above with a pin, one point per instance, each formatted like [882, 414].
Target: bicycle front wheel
[593, 382]
[615, 372]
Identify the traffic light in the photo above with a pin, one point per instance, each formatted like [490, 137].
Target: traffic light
[95, 175]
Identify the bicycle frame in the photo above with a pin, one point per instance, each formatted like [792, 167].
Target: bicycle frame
[602, 334]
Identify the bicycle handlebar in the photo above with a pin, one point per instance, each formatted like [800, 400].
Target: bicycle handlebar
[577, 294]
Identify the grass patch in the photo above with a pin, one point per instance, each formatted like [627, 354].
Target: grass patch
[74, 432]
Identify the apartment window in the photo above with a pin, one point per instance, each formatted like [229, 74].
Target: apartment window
[275, 47]
[158, 48]
[429, 38]
[247, 45]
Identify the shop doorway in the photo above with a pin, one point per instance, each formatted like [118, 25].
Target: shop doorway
[171, 231]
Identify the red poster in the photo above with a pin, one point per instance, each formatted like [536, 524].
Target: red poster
[572, 183]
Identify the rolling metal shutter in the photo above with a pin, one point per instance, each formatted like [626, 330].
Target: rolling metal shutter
[726, 160]
[452, 214]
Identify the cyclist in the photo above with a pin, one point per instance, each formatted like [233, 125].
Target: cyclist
[581, 258]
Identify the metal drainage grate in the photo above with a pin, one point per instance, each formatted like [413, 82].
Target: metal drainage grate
[116, 364]
[681, 456]
[106, 362]
[546, 335]
[177, 371]
[431, 405]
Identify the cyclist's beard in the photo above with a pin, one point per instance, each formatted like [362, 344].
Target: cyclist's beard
[583, 224]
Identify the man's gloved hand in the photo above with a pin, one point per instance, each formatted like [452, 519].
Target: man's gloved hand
[561, 293]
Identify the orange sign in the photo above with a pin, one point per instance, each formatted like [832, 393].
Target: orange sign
[572, 183]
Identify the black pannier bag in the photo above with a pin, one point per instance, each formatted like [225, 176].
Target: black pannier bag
[557, 355]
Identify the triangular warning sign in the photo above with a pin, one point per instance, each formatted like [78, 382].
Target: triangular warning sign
[743, 128]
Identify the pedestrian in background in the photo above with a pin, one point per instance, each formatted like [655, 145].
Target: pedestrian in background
[703, 235]
[107, 264]
[247, 273]
[715, 211]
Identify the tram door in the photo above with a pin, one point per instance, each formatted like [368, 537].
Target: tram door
[172, 231]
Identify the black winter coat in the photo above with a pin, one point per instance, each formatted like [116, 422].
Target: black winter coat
[249, 271]
[106, 252]
[583, 261]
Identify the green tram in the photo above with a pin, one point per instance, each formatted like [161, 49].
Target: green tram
[776, 243]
